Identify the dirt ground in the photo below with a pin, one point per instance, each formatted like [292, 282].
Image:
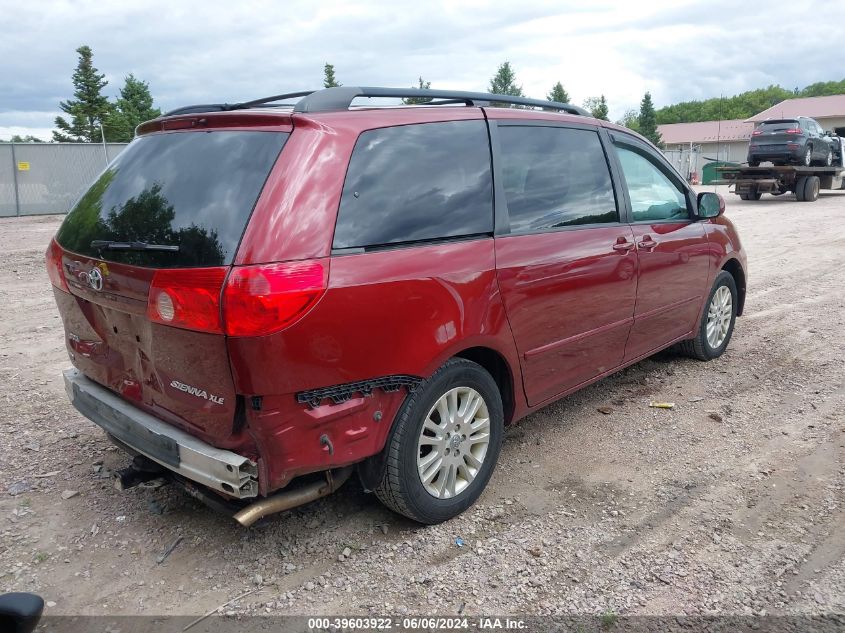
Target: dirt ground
[732, 503]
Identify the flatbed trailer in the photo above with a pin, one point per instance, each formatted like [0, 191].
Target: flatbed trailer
[750, 183]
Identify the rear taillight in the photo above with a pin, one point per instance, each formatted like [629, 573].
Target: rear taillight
[266, 298]
[756, 133]
[54, 266]
[792, 130]
[187, 298]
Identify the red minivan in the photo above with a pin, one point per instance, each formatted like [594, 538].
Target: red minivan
[259, 293]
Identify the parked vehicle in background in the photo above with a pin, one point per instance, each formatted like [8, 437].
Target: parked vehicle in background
[252, 295]
[800, 141]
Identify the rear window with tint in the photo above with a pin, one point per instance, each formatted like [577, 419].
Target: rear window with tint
[194, 190]
[777, 126]
[417, 183]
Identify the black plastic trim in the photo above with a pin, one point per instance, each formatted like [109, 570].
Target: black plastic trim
[341, 393]
[334, 99]
[340, 98]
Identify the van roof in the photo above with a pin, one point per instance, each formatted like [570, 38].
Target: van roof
[341, 98]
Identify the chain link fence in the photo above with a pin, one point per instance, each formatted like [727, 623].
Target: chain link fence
[40, 178]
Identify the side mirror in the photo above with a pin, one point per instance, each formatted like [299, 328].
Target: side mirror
[710, 205]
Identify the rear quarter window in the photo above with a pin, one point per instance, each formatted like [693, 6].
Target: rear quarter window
[417, 183]
[193, 190]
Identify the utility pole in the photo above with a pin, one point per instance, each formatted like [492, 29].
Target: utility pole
[105, 149]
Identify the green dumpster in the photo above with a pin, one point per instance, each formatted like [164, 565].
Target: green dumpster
[709, 173]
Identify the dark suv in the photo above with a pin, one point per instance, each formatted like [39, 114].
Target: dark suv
[801, 141]
[254, 294]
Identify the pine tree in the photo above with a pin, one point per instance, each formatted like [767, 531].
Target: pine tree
[558, 94]
[89, 108]
[648, 120]
[504, 83]
[133, 107]
[329, 80]
[597, 107]
[423, 85]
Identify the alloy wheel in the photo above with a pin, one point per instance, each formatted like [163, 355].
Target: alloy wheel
[719, 316]
[453, 442]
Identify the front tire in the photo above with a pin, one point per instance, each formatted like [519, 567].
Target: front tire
[444, 444]
[717, 322]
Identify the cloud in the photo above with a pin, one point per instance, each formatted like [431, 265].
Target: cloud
[195, 52]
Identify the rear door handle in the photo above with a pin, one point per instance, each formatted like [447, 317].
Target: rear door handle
[647, 243]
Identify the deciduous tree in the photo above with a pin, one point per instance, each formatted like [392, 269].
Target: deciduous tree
[597, 107]
[631, 120]
[133, 107]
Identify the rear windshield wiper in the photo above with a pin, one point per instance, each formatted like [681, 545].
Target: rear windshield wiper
[133, 246]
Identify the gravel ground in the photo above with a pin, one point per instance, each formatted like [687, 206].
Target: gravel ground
[732, 503]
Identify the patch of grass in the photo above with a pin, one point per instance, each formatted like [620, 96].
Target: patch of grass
[25, 502]
[41, 557]
[608, 619]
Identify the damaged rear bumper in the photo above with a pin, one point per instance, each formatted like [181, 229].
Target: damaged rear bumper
[218, 469]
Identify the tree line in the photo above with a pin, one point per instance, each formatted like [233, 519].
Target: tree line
[90, 117]
[744, 105]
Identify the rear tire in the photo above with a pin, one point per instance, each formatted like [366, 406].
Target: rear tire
[421, 430]
[807, 159]
[753, 163]
[717, 321]
[799, 188]
[812, 184]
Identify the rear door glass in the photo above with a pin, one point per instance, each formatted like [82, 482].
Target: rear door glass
[191, 190]
[554, 178]
[417, 183]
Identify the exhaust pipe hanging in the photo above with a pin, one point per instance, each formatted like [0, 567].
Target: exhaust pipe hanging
[293, 498]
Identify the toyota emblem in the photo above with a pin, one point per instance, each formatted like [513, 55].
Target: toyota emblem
[95, 279]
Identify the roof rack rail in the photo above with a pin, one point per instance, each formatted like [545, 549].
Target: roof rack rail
[340, 98]
[333, 99]
[224, 107]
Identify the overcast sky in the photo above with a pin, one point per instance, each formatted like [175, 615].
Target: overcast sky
[195, 52]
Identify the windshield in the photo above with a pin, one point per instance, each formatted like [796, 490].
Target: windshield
[191, 190]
